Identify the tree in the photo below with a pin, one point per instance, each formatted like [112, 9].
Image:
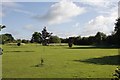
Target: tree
[77, 40]
[36, 37]
[64, 40]
[99, 37]
[25, 41]
[6, 38]
[117, 31]
[1, 27]
[70, 42]
[10, 37]
[18, 40]
[3, 39]
[55, 39]
[45, 36]
[91, 40]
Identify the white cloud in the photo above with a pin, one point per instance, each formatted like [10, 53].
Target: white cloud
[101, 6]
[100, 3]
[119, 9]
[101, 23]
[61, 12]
[65, 35]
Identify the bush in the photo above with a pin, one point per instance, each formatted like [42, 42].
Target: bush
[18, 44]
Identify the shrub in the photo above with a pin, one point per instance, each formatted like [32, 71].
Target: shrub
[18, 44]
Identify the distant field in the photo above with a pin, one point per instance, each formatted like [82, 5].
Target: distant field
[59, 61]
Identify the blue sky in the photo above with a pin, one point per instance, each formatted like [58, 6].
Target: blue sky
[63, 18]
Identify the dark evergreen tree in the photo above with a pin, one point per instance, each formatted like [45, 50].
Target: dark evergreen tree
[70, 42]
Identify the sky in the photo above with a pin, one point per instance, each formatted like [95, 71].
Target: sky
[64, 18]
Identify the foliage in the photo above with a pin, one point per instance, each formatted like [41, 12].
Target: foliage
[77, 40]
[25, 41]
[70, 42]
[18, 44]
[18, 41]
[36, 37]
[41, 37]
[45, 36]
[99, 38]
[54, 39]
[64, 40]
[117, 31]
[6, 38]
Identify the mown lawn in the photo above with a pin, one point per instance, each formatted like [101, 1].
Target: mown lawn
[59, 61]
[0, 66]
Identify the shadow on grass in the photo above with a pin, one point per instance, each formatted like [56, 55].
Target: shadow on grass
[37, 65]
[19, 51]
[106, 60]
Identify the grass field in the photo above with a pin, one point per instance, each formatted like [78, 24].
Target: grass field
[59, 62]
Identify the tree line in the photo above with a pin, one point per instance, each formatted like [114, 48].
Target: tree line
[98, 39]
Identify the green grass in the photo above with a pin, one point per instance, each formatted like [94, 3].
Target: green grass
[0, 64]
[59, 62]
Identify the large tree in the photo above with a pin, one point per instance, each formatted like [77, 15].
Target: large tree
[6, 38]
[36, 37]
[117, 31]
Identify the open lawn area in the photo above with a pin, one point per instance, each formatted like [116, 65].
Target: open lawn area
[59, 61]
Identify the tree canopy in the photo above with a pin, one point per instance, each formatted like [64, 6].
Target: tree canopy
[117, 31]
[36, 37]
[6, 38]
[55, 39]
[45, 36]
[41, 37]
